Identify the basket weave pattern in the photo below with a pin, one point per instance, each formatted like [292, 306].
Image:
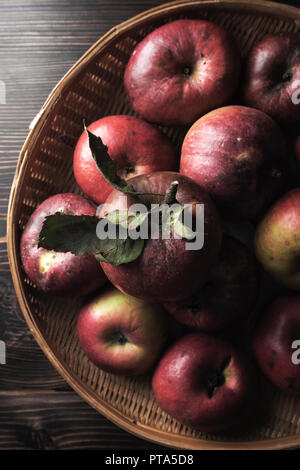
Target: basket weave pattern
[95, 89]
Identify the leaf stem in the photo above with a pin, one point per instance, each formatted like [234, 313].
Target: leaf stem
[170, 196]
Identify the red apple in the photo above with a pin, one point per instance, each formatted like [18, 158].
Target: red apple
[276, 342]
[206, 383]
[135, 145]
[59, 273]
[272, 78]
[121, 334]
[237, 154]
[166, 270]
[227, 297]
[277, 240]
[182, 70]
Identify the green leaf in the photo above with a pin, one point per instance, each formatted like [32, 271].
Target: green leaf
[137, 220]
[124, 251]
[66, 232]
[107, 166]
[77, 234]
[181, 229]
[127, 219]
[119, 217]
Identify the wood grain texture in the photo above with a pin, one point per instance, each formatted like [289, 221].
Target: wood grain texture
[39, 42]
[57, 421]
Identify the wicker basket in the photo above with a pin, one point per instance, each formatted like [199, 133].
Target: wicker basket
[91, 89]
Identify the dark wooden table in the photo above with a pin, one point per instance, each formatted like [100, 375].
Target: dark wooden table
[39, 41]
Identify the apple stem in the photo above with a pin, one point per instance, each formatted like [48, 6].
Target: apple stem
[170, 196]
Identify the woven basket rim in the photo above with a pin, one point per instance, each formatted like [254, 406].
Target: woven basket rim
[144, 431]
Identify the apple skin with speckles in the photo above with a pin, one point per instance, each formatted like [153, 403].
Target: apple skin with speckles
[182, 70]
[237, 154]
[60, 274]
[205, 382]
[121, 334]
[272, 77]
[136, 146]
[276, 340]
[277, 240]
[166, 270]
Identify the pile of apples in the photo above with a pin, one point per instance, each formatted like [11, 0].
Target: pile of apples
[176, 313]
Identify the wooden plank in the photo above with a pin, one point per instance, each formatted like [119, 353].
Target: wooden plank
[58, 421]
